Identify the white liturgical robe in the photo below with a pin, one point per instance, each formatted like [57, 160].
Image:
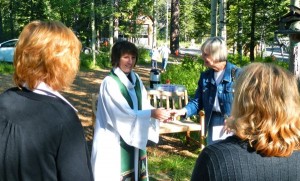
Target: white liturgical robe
[115, 118]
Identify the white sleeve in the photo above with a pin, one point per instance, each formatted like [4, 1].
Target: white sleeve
[131, 124]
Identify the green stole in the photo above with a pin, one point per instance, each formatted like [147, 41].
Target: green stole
[127, 151]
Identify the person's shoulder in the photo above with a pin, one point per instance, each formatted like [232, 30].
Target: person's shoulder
[6, 93]
[229, 144]
[220, 154]
[108, 81]
[296, 153]
[234, 69]
[230, 64]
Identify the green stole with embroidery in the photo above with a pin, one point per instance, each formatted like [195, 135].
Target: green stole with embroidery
[127, 151]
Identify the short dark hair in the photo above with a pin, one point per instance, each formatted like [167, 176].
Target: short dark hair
[120, 48]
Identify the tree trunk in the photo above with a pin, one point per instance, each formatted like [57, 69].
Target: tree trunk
[1, 25]
[11, 18]
[111, 23]
[213, 17]
[240, 32]
[31, 10]
[116, 22]
[154, 23]
[174, 42]
[93, 31]
[167, 21]
[222, 12]
[252, 32]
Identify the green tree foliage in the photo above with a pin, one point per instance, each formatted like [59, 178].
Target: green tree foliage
[187, 73]
[266, 21]
[194, 18]
[201, 13]
[187, 20]
[15, 14]
[129, 11]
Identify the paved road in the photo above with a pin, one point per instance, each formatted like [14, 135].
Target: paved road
[275, 51]
[190, 51]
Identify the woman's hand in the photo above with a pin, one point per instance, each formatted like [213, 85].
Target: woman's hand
[162, 114]
[179, 112]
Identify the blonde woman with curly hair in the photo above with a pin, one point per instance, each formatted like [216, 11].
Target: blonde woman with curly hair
[266, 125]
[41, 137]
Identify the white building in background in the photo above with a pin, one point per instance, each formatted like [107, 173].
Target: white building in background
[144, 35]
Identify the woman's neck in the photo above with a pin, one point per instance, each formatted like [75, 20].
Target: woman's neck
[219, 66]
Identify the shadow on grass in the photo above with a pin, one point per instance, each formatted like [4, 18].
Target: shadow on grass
[171, 158]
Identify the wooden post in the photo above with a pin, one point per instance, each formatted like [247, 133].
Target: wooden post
[202, 133]
[294, 59]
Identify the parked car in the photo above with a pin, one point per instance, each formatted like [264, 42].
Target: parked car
[7, 50]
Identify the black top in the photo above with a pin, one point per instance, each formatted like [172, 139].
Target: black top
[232, 159]
[41, 138]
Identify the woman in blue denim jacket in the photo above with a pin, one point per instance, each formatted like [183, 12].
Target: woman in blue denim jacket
[214, 94]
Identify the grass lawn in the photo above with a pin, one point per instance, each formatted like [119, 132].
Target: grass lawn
[171, 158]
[6, 68]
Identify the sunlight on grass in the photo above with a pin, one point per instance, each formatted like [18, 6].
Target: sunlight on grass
[169, 166]
[6, 68]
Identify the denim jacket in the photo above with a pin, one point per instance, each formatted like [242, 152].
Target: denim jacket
[206, 93]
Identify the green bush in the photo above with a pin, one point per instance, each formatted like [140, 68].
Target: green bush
[144, 56]
[105, 48]
[187, 73]
[246, 60]
[235, 59]
[272, 59]
[6, 68]
[103, 58]
[102, 61]
[86, 61]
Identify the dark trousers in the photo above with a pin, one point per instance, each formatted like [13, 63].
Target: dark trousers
[154, 63]
[164, 63]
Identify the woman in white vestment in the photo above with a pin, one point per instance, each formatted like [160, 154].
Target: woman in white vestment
[125, 120]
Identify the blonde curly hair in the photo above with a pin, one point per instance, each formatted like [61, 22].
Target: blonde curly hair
[266, 109]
